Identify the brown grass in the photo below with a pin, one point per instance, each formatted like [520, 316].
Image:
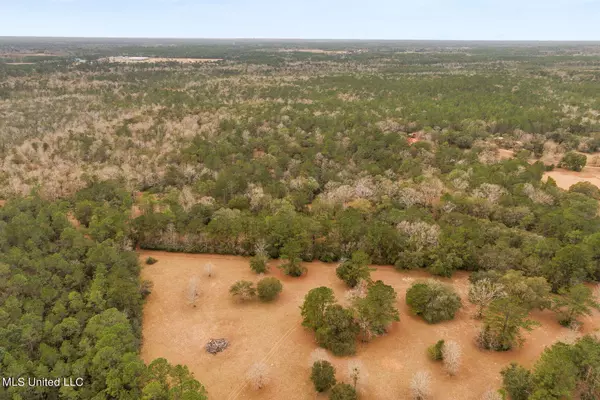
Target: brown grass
[272, 334]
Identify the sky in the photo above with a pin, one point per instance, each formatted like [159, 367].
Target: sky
[305, 19]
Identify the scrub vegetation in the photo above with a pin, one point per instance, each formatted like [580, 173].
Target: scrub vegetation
[421, 155]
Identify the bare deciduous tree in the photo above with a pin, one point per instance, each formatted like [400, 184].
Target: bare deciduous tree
[357, 292]
[258, 375]
[483, 292]
[357, 374]
[452, 356]
[420, 385]
[192, 291]
[209, 269]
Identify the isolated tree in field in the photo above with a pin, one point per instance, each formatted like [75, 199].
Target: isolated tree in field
[193, 291]
[573, 161]
[434, 301]
[353, 270]
[343, 391]
[338, 331]
[323, 376]
[258, 375]
[243, 290]
[483, 292]
[209, 269]
[268, 288]
[315, 303]
[503, 322]
[575, 302]
[451, 356]
[420, 385]
[517, 382]
[435, 350]
[258, 263]
[377, 310]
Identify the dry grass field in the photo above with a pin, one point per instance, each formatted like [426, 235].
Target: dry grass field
[565, 179]
[271, 333]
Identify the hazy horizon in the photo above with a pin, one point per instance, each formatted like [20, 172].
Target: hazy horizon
[463, 20]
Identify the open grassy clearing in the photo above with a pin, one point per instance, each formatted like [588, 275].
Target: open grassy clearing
[272, 333]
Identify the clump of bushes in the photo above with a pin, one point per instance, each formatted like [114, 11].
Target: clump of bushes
[434, 301]
[343, 391]
[323, 375]
[573, 161]
[151, 260]
[243, 290]
[435, 350]
[268, 288]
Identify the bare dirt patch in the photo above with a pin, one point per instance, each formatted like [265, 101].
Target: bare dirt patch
[565, 179]
[271, 333]
[506, 154]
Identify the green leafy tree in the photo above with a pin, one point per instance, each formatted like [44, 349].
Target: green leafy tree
[587, 189]
[353, 270]
[532, 292]
[315, 304]
[435, 350]
[343, 391]
[433, 301]
[571, 265]
[555, 374]
[378, 309]
[338, 332]
[323, 376]
[574, 302]
[517, 382]
[503, 322]
[292, 265]
[165, 381]
[268, 288]
[573, 161]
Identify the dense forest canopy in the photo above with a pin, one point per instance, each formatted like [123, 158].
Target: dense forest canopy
[382, 152]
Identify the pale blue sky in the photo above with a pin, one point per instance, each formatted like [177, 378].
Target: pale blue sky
[328, 19]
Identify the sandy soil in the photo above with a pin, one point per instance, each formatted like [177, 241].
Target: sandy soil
[272, 333]
[505, 154]
[564, 178]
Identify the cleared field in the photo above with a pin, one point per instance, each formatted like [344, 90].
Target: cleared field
[272, 333]
[565, 179]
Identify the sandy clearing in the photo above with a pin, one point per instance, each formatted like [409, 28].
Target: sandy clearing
[272, 333]
[564, 178]
[506, 154]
